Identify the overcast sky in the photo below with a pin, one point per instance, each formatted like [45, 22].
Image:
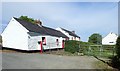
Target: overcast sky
[85, 18]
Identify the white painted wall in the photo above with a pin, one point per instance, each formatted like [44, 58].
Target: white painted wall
[78, 39]
[64, 32]
[15, 36]
[67, 34]
[50, 42]
[33, 42]
[111, 37]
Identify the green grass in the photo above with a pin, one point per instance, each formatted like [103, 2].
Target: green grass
[103, 66]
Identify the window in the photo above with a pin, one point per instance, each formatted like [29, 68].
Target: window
[38, 42]
[79, 38]
[110, 42]
[66, 38]
[43, 40]
[29, 37]
[57, 42]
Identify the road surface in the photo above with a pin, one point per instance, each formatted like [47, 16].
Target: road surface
[45, 61]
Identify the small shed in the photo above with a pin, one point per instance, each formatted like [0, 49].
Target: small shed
[23, 35]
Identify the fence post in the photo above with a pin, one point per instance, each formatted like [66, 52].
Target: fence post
[89, 49]
[100, 50]
[113, 51]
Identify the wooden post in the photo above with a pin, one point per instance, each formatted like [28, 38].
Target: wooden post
[89, 49]
[100, 49]
[113, 51]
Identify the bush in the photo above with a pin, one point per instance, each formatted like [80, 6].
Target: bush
[118, 46]
[77, 46]
[72, 46]
[115, 62]
[116, 59]
[0, 39]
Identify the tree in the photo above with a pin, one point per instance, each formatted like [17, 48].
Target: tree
[27, 19]
[95, 38]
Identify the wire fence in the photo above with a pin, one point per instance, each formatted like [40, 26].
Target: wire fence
[99, 50]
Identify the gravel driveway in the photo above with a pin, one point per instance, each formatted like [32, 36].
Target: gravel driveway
[46, 61]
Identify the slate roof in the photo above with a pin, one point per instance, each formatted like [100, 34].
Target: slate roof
[41, 30]
[70, 32]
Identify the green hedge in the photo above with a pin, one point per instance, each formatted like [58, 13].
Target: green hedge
[0, 39]
[77, 46]
[72, 46]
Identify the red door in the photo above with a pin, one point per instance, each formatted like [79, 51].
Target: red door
[41, 46]
[63, 43]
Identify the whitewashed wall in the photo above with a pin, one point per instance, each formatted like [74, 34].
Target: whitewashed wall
[64, 32]
[15, 36]
[50, 42]
[67, 34]
[78, 39]
[33, 42]
[111, 37]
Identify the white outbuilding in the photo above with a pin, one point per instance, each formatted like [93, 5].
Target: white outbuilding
[70, 34]
[23, 35]
[110, 39]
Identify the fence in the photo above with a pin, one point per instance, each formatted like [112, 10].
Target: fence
[98, 50]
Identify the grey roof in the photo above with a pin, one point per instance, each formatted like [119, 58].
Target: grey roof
[42, 30]
[70, 32]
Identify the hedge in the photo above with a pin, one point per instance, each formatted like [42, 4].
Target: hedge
[71, 46]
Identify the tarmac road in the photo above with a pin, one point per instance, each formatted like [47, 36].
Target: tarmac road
[45, 61]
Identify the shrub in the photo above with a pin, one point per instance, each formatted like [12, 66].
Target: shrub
[72, 46]
[116, 62]
[118, 46]
[0, 39]
[116, 59]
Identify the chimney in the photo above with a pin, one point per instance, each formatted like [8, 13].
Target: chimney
[73, 32]
[38, 22]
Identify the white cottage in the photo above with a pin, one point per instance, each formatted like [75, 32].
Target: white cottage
[110, 39]
[70, 34]
[23, 35]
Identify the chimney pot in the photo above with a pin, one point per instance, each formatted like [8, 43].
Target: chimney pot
[38, 22]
